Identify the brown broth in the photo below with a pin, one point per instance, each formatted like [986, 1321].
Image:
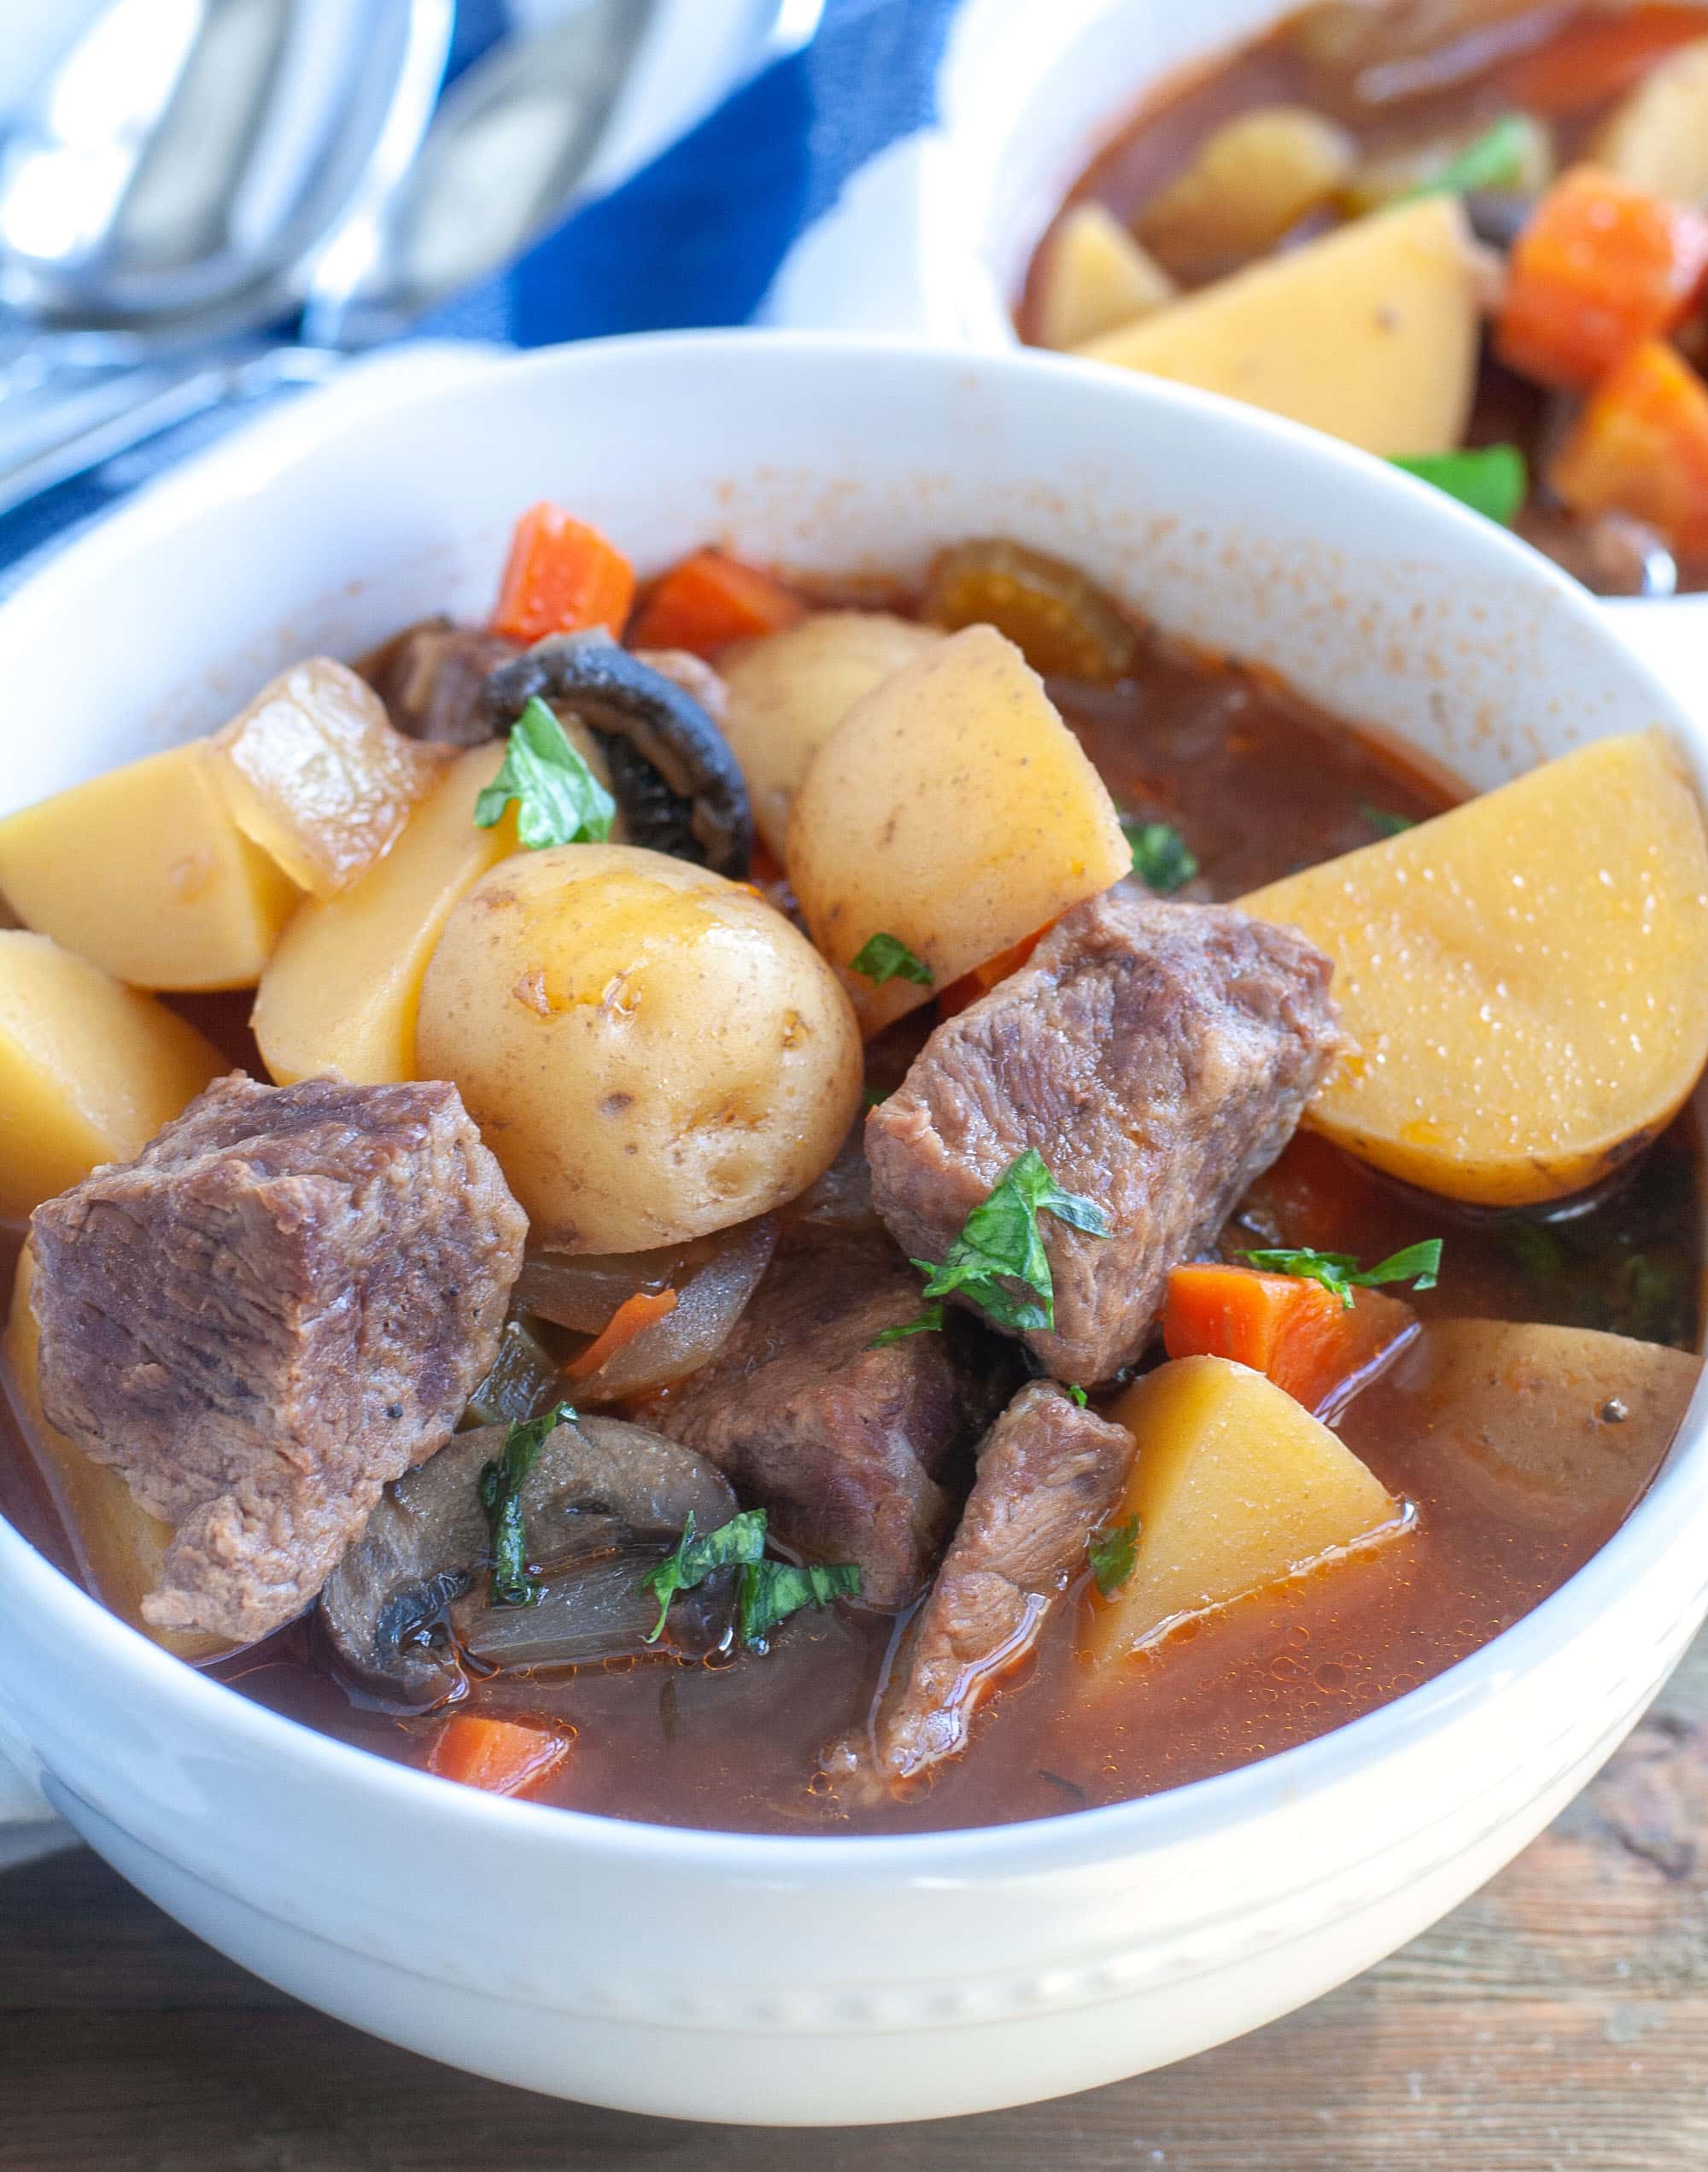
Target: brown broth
[1259, 783]
[1160, 138]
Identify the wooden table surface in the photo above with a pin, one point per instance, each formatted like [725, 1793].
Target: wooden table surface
[1558, 2019]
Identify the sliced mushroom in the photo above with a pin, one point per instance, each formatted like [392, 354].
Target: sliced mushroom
[675, 778]
[432, 678]
[603, 1498]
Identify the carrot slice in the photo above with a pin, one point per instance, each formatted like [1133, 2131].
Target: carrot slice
[1292, 1329]
[561, 575]
[709, 600]
[1641, 447]
[1601, 266]
[1596, 59]
[634, 1314]
[499, 1755]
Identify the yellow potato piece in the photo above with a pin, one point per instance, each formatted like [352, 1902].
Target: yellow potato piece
[788, 691]
[1096, 276]
[342, 989]
[1370, 334]
[1658, 138]
[1526, 978]
[1236, 1486]
[1547, 1424]
[954, 810]
[1251, 179]
[89, 1070]
[315, 773]
[118, 1546]
[144, 871]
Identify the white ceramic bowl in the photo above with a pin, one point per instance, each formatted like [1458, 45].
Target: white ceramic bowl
[933, 236]
[819, 1980]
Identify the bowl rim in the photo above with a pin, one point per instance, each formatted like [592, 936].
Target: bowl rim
[120, 1656]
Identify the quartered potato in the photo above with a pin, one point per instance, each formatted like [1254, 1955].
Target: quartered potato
[1658, 138]
[144, 871]
[1094, 277]
[315, 773]
[953, 810]
[1526, 978]
[341, 990]
[1370, 334]
[1252, 179]
[89, 1070]
[788, 691]
[1236, 1486]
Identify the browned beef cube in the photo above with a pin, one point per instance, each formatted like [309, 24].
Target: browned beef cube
[859, 1455]
[432, 679]
[1049, 1475]
[1158, 1057]
[284, 1301]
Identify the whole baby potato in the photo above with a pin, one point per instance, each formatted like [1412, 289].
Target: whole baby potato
[651, 1052]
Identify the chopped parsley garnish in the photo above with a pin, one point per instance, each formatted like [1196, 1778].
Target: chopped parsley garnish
[773, 1591]
[1494, 160]
[742, 1539]
[1112, 1552]
[768, 1592]
[929, 1322]
[558, 799]
[1385, 821]
[999, 1243]
[1161, 858]
[1077, 1395]
[873, 1099]
[1340, 1273]
[887, 957]
[500, 1484]
[1493, 480]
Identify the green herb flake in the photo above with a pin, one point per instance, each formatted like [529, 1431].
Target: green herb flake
[1494, 160]
[1000, 1242]
[1385, 821]
[1340, 1273]
[1493, 480]
[887, 957]
[1077, 1395]
[1161, 858]
[773, 1591]
[1111, 1553]
[873, 1099]
[500, 1486]
[929, 1322]
[740, 1543]
[558, 799]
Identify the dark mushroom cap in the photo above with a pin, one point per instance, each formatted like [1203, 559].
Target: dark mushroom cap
[602, 1494]
[679, 788]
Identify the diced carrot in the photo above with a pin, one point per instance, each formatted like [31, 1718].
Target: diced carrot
[1296, 1331]
[1595, 59]
[1641, 447]
[500, 1755]
[633, 1314]
[1601, 266]
[983, 978]
[710, 599]
[560, 576]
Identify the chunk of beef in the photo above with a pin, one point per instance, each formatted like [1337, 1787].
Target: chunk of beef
[1049, 1475]
[1158, 1057]
[858, 1453]
[430, 679]
[284, 1301]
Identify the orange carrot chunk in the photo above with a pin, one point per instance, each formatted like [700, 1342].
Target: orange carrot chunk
[709, 600]
[500, 1755]
[983, 978]
[1641, 447]
[1602, 266]
[1294, 1329]
[560, 576]
[633, 1314]
[1595, 59]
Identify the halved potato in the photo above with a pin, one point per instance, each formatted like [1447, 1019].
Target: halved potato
[143, 870]
[1236, 1486]
[89, 1070]
[118, 1546]
[1526, 978]
[953, 810]
[342, 989]
[788, 691]
[1250, 180]
[1094, 277]
[1370, 334]
[1658, 137]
